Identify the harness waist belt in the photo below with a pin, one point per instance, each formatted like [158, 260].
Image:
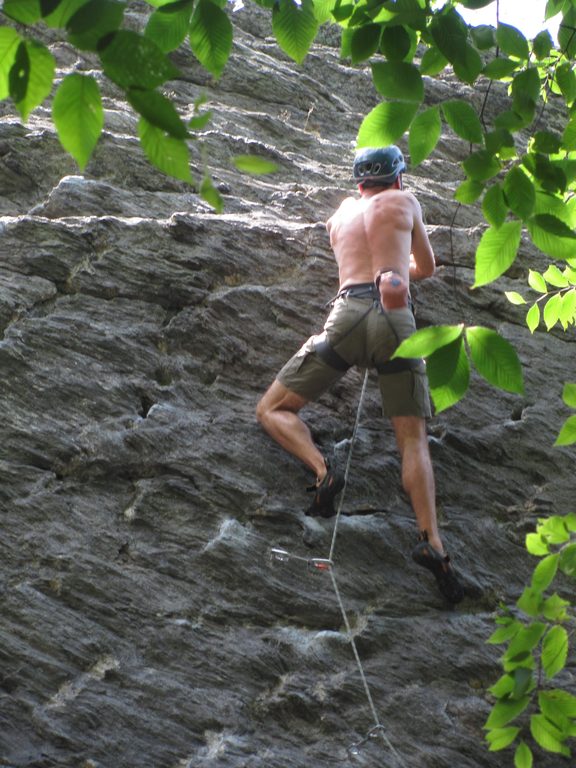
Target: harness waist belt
[360, 291]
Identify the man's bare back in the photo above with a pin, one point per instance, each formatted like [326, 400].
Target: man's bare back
[383, 229]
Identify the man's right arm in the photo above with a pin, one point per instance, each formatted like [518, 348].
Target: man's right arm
[422, 262]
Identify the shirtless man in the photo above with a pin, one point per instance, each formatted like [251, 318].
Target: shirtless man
[380, 244]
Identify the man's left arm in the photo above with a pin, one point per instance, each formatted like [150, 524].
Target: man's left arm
[422, 261]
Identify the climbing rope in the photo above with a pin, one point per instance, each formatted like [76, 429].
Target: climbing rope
[348, 463]
[323, 565]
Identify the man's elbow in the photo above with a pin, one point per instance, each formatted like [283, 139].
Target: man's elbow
[428, 270]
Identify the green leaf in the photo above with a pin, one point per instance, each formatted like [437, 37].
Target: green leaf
[469, 191]
[567, 434]
[211, 35]
[511, 41]
[93, 21]
[24, 11]
[546, 142]
[570, 522]
[398, 80]
[395, 43]
[569, 134]
[47, 6]
[542, 44]
[562, 701]
[553, 225]
[500, 738]
[554, 277]
[555, 608]
[496, 252]
[424, 134]
[365, 42]
[322, 10]
[523, 756]
[168, 25]
[500, 68]
[450, 33]
[568, 560]
[519, 192]
[503, 687]
[533, 317]
[385, 124]
[66, 9]
[425, 341]
[569, 395]
[468, 67]
[526, 83]
[536, 281]
[505, 711]
[254, 165]
[481, 165]
[502, 635]
[78, 116]
[566, 80]
[495, 359]
[555, 528]
[448, 374]
[494, 206]
[463, 120]
[515, 298]
[545, 232]
[31, 76]
[295, 27]
[566, 40]
[550, 175]
[552, 311]
[159, 111]
[211, 195]
[546, 735]
[484, 36]
[523, 682]
[525, 640]
[134, 61]
[9, 43]
[536, 544]
[433, 62]
[168, 154]
[530, 602]
[545, 572]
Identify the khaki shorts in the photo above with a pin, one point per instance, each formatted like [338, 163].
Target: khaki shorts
[366, 336]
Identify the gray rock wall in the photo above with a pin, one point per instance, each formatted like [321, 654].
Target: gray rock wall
[142, 623]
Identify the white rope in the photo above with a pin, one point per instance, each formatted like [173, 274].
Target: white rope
[321, 564]
[348, 463]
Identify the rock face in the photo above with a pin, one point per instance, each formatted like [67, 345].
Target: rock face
[142, 622]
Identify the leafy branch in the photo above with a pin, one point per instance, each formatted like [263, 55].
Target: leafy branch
[537, 644]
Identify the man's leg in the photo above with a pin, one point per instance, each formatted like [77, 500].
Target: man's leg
[417, 474]
[277, 412]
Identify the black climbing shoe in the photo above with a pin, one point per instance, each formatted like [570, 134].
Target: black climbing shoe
[425, 555]
[324, 494]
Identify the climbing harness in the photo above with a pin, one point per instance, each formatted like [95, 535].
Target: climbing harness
[320, 565]
[326, 350]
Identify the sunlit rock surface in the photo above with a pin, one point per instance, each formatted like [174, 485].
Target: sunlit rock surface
[142, 623]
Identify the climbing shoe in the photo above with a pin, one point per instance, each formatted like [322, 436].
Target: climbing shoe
[425, 555]
[324, 494]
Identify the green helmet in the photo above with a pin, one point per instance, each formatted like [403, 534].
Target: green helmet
[378, 164]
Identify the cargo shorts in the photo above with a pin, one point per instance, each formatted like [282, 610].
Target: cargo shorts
[364, 335]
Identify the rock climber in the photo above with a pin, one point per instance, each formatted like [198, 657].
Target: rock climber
[380, 244]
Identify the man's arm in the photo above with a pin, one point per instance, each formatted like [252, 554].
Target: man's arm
[422, 262]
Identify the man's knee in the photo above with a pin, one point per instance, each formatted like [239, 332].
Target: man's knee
[261, 410]
[278, 398]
